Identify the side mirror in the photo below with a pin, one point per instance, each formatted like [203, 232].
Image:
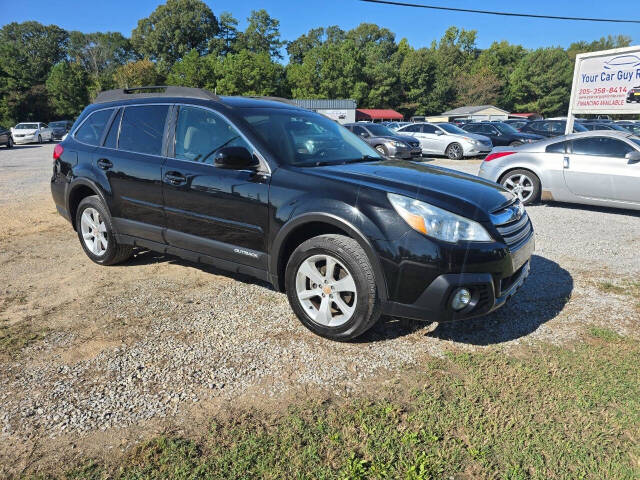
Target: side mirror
[633, 157]
[364, 134]
[439, 132]
[235, 158]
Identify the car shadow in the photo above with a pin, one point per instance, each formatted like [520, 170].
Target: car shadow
[22, 147]
[594, 208]
[543, 295]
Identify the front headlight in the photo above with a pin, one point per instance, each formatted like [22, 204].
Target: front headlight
[471, 140]
[436, 222]
[396, 144]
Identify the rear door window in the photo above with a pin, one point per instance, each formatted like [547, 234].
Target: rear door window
[428, 129]
[92, 129]
[558, 147]
[142, 129]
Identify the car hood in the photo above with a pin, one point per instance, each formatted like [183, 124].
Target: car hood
[529, 136]
[398, 138]
[25, 131]
[466, 195]
[474, 136]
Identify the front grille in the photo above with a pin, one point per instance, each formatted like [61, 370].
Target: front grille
[514, 231]
[414, 144]
[484, 297]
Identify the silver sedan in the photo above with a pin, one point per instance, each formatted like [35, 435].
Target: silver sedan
[601, 167]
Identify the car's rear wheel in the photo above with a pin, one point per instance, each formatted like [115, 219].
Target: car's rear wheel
[95, 231]
[454, 151]
[522, 183]
[39, 138]
[10, 142]
[331, 287]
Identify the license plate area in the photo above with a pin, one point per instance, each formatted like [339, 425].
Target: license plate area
[523, 254]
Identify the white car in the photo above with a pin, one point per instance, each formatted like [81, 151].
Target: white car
[447, 139]
[31, 132]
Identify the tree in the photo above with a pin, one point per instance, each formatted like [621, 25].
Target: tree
[28, 51]
[227, 37]
[262, 34]
[194, 71]
[173, 30]
[301, 45]
[67, 89]
[417, 76]
[249, 73]
[541, 82]
[482, 87]
[605, 43]
[136, 74]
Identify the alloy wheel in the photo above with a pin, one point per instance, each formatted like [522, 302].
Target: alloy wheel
[455, 151]
[94, 231]
[520, 185]
[326, 290]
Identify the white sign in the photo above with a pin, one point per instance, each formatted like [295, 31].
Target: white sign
[335, 114]
[607, 82]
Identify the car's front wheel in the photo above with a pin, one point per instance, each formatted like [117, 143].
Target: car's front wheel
[331, 287]
[454, 151]
[95, 231]
[10, 142]
[39, 138]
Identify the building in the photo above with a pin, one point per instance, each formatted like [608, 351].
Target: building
[476, 114]
[342, 111]
[378, 115]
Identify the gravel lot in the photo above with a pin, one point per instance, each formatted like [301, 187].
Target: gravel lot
[117, 352]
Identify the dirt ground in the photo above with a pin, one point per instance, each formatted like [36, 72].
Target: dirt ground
[94, 359]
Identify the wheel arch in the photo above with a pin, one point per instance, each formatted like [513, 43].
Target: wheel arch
[78, 190]
[309, 225]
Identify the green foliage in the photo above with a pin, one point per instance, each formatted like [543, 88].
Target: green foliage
[136, 74]
[262, 34]
[67, 89]
[249, 73]
[194, 71]
[173, 30]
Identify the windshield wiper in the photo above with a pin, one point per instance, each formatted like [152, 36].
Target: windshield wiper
[364, 158]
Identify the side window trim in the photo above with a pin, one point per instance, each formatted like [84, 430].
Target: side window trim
[105, 133]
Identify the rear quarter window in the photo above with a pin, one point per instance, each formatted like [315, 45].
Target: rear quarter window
[90, 132]
[558, 147]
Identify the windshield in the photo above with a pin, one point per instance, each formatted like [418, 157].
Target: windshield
[57, 124]
[450, 128]
[635, 140]
[26, 126]
[379, 130]
[305, 138]
[505, 128]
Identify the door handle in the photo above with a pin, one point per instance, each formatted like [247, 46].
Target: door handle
[104, 164]
[175, 178]
[565, 162]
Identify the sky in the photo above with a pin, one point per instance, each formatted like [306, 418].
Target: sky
[419, 26]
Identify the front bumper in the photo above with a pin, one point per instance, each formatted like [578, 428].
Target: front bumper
[489, 291]
[405, 153]
[21, 140]
[475, 150]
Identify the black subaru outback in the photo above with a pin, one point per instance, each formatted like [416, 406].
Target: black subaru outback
[261, 187]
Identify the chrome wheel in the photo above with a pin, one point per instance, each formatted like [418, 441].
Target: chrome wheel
[520, 185]
[381, 150]
[94, 231]
[455, 151]
[326, 290]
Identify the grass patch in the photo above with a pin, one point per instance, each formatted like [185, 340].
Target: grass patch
[604, 334]
[547, 413]
[14, 338]
[624, 288]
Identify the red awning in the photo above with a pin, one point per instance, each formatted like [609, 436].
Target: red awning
[377, 114]
[525, 115]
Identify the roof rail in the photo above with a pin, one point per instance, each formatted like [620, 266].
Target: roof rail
[153, 91]
[274, 99]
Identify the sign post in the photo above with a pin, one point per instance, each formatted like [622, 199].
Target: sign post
[605, 82]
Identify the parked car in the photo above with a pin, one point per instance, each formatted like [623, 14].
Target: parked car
[516, 123]
[31, 132]
[501, 133]
[60, 128]
[602, 126]
[385, 141]
[595, 168]
[550, 128]
[630, 126]
[395, 125]
[5, 137]
[634, 94]
[348, 234]
[447, 139]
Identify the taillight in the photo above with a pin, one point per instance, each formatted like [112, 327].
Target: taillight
[493, 156]
[57, 151]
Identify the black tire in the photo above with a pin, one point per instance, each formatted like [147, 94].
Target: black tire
[354, 258]
[535, 182]
[515, 143]
[454, 151]
[115, 252]
[10, 142]
[39, 138]
[382, 150]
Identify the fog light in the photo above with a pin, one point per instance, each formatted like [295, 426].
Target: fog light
[461, 299]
